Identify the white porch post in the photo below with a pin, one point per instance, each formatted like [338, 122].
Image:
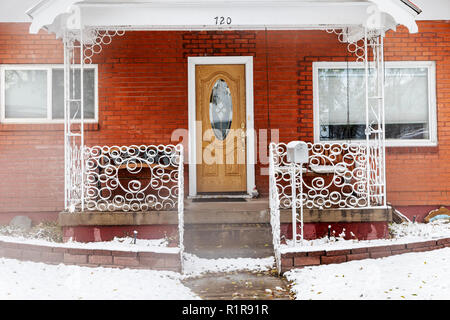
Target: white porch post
[383, 117]
[67, 182]
[367, 131]
[82, 110]
[375, 118]
[73, 114]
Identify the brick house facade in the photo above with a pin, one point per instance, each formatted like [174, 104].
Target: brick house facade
[143, 94]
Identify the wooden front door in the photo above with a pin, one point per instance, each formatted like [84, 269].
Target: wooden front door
[221, 144]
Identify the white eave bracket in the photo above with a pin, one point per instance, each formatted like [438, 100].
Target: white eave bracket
[400, 11]
[51, 14]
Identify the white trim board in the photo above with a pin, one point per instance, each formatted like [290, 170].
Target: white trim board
[57, 15]
[248, 62]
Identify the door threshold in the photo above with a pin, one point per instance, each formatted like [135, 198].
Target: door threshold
[220, 196]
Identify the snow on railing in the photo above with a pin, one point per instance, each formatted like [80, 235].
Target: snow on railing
[336, 176]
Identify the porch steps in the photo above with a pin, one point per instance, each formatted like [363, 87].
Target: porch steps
[222, 229]
[242, 229]
[229, 240]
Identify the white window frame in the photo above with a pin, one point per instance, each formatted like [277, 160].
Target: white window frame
[48, 68]
[432, 106]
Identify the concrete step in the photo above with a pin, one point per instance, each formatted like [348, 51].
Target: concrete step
[228, 234]
[228, 229]
[211, 252]
[248, 211]
[229, 240]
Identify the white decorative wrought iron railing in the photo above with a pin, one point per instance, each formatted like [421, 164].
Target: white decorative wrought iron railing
[181, 204]
[336, 176]
[132, 178]
[125, 178]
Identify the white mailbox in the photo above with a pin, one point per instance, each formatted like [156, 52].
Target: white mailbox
[297, 152]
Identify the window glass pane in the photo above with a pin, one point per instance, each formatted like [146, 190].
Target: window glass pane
[342, 103]
[89, 94]
[342, 111]
[25, 94]
[221, 109]
[407, 103]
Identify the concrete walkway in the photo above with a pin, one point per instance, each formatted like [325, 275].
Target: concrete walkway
[232, 230]
[240, 286]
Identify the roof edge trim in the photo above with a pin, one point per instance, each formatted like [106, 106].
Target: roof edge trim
[412, 6]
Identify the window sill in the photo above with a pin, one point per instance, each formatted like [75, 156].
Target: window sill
[44, 126]
[411, 149]
[396, 148]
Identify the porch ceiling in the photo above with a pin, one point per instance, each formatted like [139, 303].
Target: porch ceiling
[59, 15]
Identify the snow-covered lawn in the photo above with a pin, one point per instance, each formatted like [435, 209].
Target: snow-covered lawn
[30, 280]
[195, 266]
[409, 276]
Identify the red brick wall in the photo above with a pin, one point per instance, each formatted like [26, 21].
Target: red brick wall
[143, 98]
[31, 156]
[421, 176]
[91, 257]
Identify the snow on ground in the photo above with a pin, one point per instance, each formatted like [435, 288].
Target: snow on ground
[195, 266]
[409, 276]
[119, 244]
[31, 280]
[435, 229]
[402, 233]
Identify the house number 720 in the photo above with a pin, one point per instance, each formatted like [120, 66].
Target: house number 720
[222, 20]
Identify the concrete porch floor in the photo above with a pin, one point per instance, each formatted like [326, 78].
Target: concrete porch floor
[251, 211]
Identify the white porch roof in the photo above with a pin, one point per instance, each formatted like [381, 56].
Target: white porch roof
[59, 15]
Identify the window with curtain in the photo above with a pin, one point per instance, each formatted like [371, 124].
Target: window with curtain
[33, 93]
[410, 107]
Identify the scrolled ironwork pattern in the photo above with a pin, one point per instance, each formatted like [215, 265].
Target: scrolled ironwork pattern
[335, 176]
[74, 173]
[357, 48]
[132, 178]
[96, 39]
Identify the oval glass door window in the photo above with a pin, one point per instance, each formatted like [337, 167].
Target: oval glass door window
[221, 109]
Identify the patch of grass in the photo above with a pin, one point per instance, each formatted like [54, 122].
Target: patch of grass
[46, 230]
